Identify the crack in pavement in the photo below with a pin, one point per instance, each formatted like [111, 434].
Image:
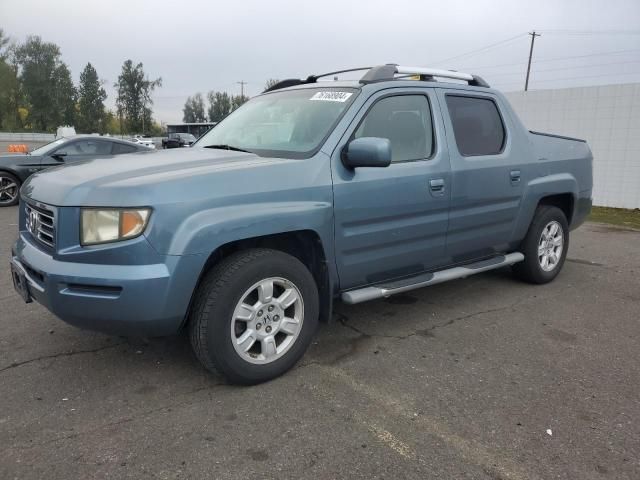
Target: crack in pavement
[586, 262]
[470, 315]
[364, 336]
[58, 355]
[310, 363]
[343, 319]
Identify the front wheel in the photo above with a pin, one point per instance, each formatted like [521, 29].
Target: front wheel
[545, 246]
[9, 189]
[254, 315]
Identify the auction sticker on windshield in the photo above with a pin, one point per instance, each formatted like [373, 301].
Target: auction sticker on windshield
[332, 96]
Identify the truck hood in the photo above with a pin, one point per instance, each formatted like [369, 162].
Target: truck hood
[144, 178]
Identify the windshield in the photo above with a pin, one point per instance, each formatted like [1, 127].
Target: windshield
[188, 136]
[43, 150]
[289, 123]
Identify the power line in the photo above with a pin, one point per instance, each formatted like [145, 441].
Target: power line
[569, 68]
[592, 32]
[575, 78]
[482, 49]
[555, 59]
[616, 52]
[589, 76]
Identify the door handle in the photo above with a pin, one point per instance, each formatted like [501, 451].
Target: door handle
[437, 185]
[515, 176]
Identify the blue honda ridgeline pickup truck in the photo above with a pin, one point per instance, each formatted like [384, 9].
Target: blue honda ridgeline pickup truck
[310, 192]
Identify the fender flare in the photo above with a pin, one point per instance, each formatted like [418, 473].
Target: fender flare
[536, 190]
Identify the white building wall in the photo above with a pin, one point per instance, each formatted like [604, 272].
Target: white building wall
[608, 117]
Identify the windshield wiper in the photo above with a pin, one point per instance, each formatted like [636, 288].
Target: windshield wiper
[228, 147]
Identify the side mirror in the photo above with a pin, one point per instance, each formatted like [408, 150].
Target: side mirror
[367, 152]
[59, 156]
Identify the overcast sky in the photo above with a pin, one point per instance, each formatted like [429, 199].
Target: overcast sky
[200, 45]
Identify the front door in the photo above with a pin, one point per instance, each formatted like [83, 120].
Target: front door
[391, 222]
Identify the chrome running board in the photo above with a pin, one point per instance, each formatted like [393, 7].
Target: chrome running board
[387, 289]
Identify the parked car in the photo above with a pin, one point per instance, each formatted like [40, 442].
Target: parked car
[178, 140]
[303, 196]
[16, 168]
[144, 141]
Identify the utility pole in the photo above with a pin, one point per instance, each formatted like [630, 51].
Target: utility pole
[533, 39]
[242, 84]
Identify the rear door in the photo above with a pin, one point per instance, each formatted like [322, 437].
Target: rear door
[391, 222]
[486, 174]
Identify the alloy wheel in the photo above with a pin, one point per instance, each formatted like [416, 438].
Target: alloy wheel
[8, 190]
[267, 320]
[550, 246]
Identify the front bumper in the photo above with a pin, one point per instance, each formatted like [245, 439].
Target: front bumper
[129, 300]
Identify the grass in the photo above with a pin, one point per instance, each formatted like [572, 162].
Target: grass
[616, 216]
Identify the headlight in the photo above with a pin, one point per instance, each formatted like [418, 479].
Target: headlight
[111, 225]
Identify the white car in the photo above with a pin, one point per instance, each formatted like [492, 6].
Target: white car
[147, 142]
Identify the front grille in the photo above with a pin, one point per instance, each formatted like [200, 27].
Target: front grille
[40, 223]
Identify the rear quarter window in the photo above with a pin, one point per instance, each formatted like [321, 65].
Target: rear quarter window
[120, 148]
[477, 125]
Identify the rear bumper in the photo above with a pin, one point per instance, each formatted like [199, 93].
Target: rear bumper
[129, 300]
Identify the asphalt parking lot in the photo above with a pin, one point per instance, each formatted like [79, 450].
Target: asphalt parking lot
[483, 378]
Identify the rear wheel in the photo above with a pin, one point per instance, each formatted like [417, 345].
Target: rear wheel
[254, 315]
[9, 189]
[545, 246]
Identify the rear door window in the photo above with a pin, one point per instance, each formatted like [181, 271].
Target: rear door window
[477, 125]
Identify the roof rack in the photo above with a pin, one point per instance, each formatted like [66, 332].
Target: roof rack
[387, 72]
[290, 82]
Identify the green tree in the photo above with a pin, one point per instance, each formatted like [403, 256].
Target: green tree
[91, 97]
[193, 111]
[157, 130]
[9, 91]
[238, 100]
[219, 105]
[5, 43]
[9, 86]
[134, 97]
[270, 83]
[64, 96]
[46, 83]
[111, 124]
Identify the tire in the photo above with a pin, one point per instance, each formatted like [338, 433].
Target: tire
[216, 329]
[534, 269]
[11, 197]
